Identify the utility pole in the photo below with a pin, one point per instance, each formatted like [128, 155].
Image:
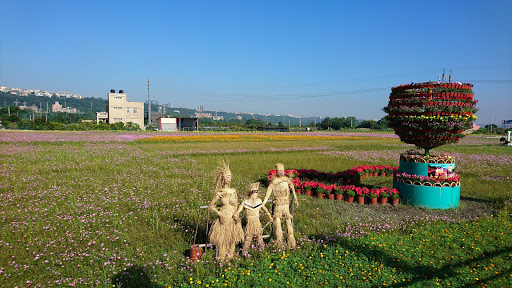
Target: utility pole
[149, 107]
[491, 124]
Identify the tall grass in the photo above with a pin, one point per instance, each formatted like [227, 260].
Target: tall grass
[92, 213]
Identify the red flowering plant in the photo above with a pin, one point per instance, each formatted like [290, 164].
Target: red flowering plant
[362, 191]
[374, 193]
[329, 189]
[394, 193]
[338, 191]
[307, 186]
[452, 181]
[296, 182]
[383, 192]
[342, 176]
[413, 155]
[431, 114]
[350, 193]
[320, 189]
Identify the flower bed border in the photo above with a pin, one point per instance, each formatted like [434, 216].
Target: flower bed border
[355, 174]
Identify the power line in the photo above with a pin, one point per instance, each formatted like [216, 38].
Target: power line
[486, 81]
[220, 96]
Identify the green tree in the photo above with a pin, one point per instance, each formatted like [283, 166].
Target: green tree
[254, 123]
[372, 124]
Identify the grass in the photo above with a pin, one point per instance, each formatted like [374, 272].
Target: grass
[91, 213]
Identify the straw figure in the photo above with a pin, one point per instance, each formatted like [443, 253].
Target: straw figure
[280, 187]
[253, 230]
[226, 231]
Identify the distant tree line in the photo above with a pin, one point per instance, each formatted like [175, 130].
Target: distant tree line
[12, 117]
[351, 123]
[326, 124]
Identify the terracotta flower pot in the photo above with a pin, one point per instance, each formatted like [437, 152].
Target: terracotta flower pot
[383, 201]
[395, 201]
[339, 197]
[308, 192]
[350, 199]
[195, 252]
[320, 195]
[373, 201]
[360, 199]
[298, 191]
[331, 196]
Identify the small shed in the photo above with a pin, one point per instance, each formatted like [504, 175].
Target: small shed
[507, 124]
[177, 124]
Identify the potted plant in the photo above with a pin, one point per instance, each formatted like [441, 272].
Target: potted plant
[298, 189]
[395, 196]
[360, 192]
[373, 195]
[320, 192]
[338, 194]
[308, 189]
[329, 194]
[350, 194]
[383, 197]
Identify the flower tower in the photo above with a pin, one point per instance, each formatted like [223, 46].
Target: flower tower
[429, 115]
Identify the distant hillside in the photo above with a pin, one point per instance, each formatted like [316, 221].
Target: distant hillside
[270, 119]
[88, 105]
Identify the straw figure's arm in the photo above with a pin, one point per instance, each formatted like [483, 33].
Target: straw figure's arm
[212, 206]
[236, 215]
[268, 213]
[292, 187]
[270, 189]
[241, 207]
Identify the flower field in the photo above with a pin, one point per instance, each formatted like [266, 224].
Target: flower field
[248, 137]
[112, 209]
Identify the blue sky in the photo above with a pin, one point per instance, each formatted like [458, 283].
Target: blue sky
[306, 58]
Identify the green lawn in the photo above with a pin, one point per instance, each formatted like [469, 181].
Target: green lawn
[124, 214]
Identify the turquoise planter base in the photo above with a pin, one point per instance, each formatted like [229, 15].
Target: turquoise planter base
[427, 196]
[421, 169]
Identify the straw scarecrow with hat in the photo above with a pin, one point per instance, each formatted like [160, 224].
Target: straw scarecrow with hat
[280, 187]
[253, 230]
[226, 231]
